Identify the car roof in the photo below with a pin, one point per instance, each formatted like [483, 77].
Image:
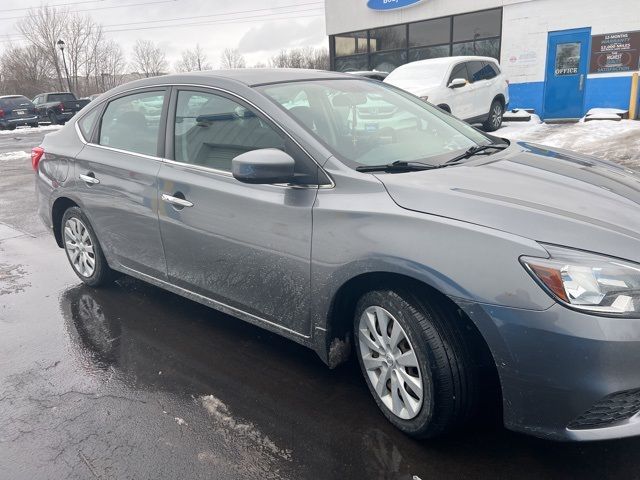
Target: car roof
[445, 61]
[248, 77]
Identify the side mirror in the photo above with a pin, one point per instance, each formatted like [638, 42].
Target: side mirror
[267, 165]
[457, 83]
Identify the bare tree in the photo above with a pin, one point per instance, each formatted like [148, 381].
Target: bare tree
[81, 33]
[231, 58]
[148, 59]
[25, 71]
[193, 60]
[42, 28]
[308, 57]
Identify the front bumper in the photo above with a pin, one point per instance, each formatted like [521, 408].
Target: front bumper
[565, 375]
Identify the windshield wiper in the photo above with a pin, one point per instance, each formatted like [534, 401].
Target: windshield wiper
[397, 166]
[475, 150]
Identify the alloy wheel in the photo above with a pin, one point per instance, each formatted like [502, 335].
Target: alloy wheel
[79, 247]
[496, 119]
[390, 362]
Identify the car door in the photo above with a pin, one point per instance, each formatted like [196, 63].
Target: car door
[116, 174]
[460, 99]
[480, 88]
[246, 247]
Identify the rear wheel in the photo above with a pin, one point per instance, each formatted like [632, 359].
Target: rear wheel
[494, 122]
[53, 118]
[415, 361]
[11, 127]
[83, 250]
[34, 125]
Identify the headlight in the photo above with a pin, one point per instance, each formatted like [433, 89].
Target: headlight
[589, 282]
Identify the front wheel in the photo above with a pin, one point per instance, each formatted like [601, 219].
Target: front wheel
[415, 361]
[494, 122]
[83, 250]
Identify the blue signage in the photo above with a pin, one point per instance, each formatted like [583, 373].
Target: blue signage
[391, 4]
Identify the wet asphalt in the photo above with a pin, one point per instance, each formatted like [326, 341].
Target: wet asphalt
[132, 382]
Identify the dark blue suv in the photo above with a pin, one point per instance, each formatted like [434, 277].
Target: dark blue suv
[16, 110]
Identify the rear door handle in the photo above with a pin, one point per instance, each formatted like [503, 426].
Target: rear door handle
[89, 179]
[180, 202]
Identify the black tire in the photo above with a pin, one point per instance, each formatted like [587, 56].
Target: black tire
[11, 127]
[494, 121]
[102, 274]
[34, 125]
[53, 118]
[448, 372]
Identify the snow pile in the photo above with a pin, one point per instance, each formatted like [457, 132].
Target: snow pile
[18, 155]
[19, 130]
[617, 141]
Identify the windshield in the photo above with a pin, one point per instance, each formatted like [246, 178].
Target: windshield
[61, 97]
[369, 123]
[412, 75]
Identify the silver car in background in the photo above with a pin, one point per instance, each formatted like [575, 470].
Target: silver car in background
[348, 215]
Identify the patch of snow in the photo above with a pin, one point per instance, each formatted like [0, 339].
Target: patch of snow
[180, 421]
[17, 155]
[43, 128]
[222, 416]
[617, 141]
[601, 116]
[517, 113]
[598, 111]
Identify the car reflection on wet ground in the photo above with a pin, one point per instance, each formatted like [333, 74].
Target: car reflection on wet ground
[134, 382]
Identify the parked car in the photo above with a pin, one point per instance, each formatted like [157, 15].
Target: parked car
[473, 89]
[445, 257]
[372, 74]
[58, 107]
[16, 110]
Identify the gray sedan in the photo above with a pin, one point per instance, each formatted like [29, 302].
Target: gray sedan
[348, 215]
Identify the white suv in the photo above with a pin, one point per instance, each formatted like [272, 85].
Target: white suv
[471, 88]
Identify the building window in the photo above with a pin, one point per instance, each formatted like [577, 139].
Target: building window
[355, 63]
[430, 32]
[386, 48]
[388, 38]
[388, 61]
[350, 43]
[425, 53]
[483, 48]
[473, 26]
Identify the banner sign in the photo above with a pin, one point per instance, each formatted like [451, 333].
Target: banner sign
[391, 4]
[615, 52]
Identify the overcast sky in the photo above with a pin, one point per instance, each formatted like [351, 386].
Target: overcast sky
[258, 28]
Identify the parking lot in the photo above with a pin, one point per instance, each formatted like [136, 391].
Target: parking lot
[135, 382]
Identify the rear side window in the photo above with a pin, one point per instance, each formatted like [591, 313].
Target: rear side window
[459, 71]
[15, 102]
[132, 123]
[87, 122]
[210, 130]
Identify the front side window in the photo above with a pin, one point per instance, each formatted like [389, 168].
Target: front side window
[459, 71]
[210, 130]
[370, 123]
[132, 123]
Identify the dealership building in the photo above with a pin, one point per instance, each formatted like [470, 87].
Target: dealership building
[562, 57]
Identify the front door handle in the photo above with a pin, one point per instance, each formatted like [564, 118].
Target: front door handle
[89, 179]
[177, 201]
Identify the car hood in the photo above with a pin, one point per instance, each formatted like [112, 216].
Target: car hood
[419, 89]
[548, 195]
